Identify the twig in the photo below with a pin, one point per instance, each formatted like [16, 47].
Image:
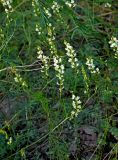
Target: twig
[95, 150]
[110, 151]
[105, 14]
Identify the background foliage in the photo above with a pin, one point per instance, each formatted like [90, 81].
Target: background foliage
[34, 115]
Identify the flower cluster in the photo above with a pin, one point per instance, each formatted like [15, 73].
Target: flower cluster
[51, 30]
[70, 4]
[7, 5]
[18, 79]
[36, 11]
[47, 12]
[107, 5]
[35, 7]
[76, 103]
[55, 7]
[38, 29]
[44, 59]
[114, 45]
[72, 56]
[59, 68]
[91, 66]
[1, 34]
[51, 38]
[10, 141]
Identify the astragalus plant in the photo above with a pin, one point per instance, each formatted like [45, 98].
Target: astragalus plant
[58, 79]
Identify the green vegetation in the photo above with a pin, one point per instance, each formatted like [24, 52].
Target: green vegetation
[58, 80]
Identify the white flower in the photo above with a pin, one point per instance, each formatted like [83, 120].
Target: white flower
[38, 29]
[70, 4]
[76, 103]
[70, 52]
[107, 5]
[47, 12]
[9, 141]
[8, 5]
[19, 79]
[114, 45]
[51, 38]
[91, 66]
[44, 59]
[55, 7]
[36, 9]
[59, 68]
[73, 96]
